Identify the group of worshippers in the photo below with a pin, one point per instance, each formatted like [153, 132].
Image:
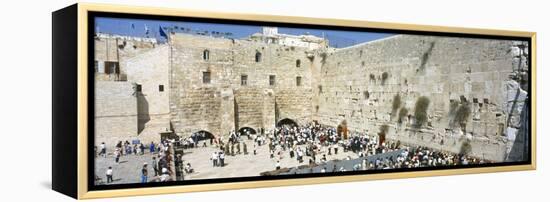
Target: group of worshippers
[194, 139]
[415, 157]
[160, 162]
[318, 140]
[162, 172]
[234, 145]
[309, 140]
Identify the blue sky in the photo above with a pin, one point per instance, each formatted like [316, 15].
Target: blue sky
[137, 27]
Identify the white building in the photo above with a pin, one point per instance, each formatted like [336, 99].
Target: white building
[271, 35]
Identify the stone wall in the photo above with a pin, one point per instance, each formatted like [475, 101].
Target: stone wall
[252, 103]
[359, 84]
[195, 105]
[118, 49]
[116, 115]
[476, 88]
[150, 70]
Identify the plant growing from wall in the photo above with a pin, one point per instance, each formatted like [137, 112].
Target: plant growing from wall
[366, 95]
[453, 107]
[465, 148]
[426, 56]
[396, 103]
[402, 113]
[323, 57]
[372, 77]
[383, 130]
[461, 115]
[385, 76]
[421, 111]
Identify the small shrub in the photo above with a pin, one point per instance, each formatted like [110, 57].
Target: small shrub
[396, 103]
[421, 111]
[402, 113]
[384, 129]
[372, 77]
[323, 57]
[426, 56]
[366, 94]
[385, 76]
[462, 114]
[465, 148]
[453, 107]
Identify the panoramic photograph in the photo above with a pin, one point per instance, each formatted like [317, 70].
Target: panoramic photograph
[191, 100]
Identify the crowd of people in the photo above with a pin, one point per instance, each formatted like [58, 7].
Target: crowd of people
[315, 140]
[161, 160]
[312, 143]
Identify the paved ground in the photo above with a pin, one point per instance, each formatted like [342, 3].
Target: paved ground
[244, 165]
[129, 168]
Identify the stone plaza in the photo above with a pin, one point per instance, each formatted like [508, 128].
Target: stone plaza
[240, 165]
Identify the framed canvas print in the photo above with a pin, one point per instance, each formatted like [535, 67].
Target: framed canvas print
[156, 100]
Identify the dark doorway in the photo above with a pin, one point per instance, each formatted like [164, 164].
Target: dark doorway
[288, 122]
[202, 135]
[243, 130]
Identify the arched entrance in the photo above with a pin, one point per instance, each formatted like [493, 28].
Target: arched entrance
[287, 122]
[202, 135]
[247, 131]
[244, 130]
[342, 129]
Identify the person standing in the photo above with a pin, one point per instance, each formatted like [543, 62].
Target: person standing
[254, 149]
[142, 149]
[109, 174]
[245, 150]
[222, 159]
[152, 148]
[214, 159]
[117, 155]
[144, 173]
[102, 150]
[155, 166]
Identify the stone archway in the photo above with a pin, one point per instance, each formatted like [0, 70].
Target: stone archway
[202, 135]
[243, 130]
[287, 121]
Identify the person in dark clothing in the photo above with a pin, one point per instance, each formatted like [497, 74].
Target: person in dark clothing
[144, 173]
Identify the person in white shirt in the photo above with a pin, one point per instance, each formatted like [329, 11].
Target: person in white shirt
[214, 159]
[102, 150]
[222, 159]
[109, 174]
[165, 175]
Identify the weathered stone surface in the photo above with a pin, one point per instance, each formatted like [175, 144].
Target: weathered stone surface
[116, 115]
[515, 99]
